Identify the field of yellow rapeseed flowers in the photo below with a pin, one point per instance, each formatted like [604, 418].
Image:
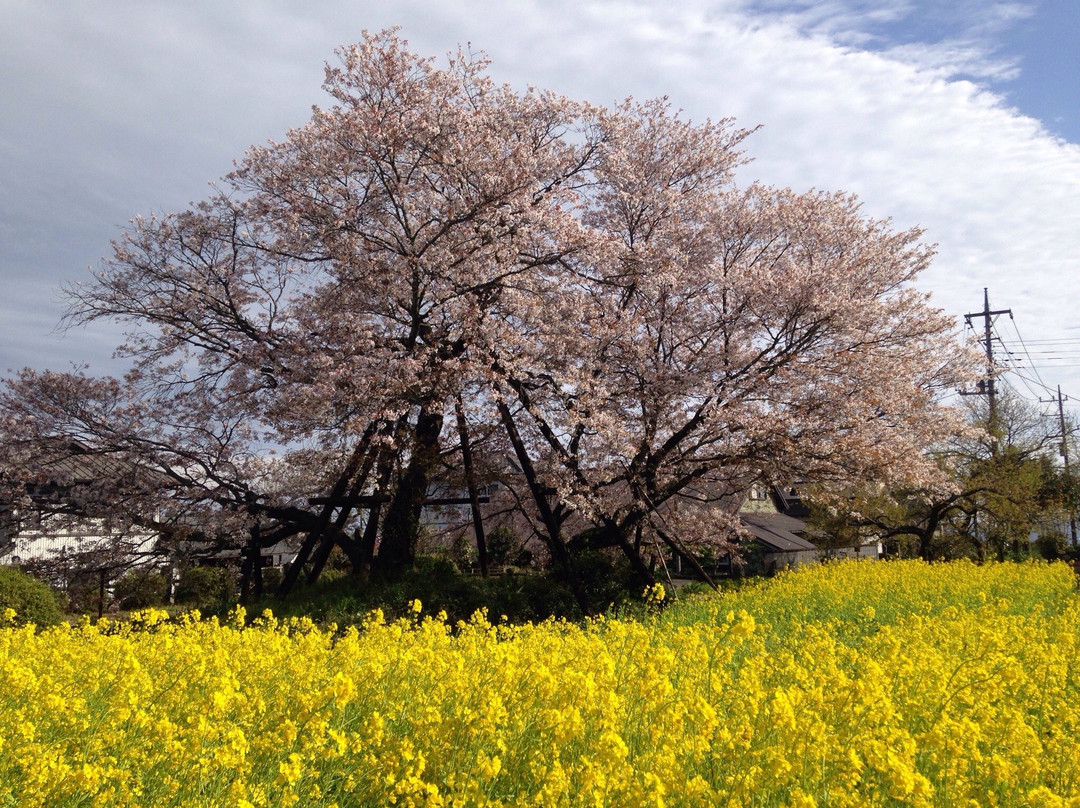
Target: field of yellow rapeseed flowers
[848, 684]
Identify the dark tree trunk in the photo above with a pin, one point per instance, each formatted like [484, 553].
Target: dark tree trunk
[315, 535]
[365, 557]
[101, 594]
[401, 527]
[552, 525]
[245, 570]
[619, 538]
[337, 536]
[365, 549]
[245, 575]
[470, 482]
[925, 534]
[926, 539]
[256, 566]
[251, 568]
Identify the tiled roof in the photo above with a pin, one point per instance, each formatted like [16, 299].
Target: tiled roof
[82, 466]
[777, 531]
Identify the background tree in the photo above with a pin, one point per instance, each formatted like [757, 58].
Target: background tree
[1000, 486]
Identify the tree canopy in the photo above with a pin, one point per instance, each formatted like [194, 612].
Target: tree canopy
[1000, 488]
[438, 273]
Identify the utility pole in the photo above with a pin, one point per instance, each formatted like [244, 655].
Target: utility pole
[986, 388]
[1064, 451]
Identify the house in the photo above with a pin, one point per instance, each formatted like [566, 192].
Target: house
[54, 529]
[776, 517]
[276, 555]
[52, 525]
[773, 519]
[781, 540]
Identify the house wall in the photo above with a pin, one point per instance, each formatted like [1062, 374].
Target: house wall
[757, 500]
[50, 538]
[774, 562]
[872, 549]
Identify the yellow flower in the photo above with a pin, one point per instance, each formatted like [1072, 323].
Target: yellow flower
[289, 771]
[769, 694]
[800, 799]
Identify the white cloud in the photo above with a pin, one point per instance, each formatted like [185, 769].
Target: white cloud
[959, 38]
[132, 107]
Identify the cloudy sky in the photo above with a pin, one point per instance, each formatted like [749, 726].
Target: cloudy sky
[960, 116]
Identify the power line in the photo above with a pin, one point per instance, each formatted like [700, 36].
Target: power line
[1057, 341]
[1014, 367]
[1019, 357]
[1046, 355]
[1028, 354]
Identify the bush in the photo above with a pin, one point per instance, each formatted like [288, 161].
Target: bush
[139, 588]
[605, 577]
[33, 601]
[1052, 546]
[505, 548]
[435, 581]
[204, 586]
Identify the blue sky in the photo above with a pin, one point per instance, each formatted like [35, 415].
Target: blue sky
[1048, 86]
[960, 116]
[1029, 52]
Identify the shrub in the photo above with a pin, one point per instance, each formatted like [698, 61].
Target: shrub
[1052, 546]
[139, 588]
[204, 585]
[32, 600]
[504, 547]
[82, 592]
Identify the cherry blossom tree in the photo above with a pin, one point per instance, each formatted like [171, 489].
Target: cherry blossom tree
[436, 258]
[713, 336]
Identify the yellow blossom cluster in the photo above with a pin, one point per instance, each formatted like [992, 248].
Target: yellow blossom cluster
[849, 684]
